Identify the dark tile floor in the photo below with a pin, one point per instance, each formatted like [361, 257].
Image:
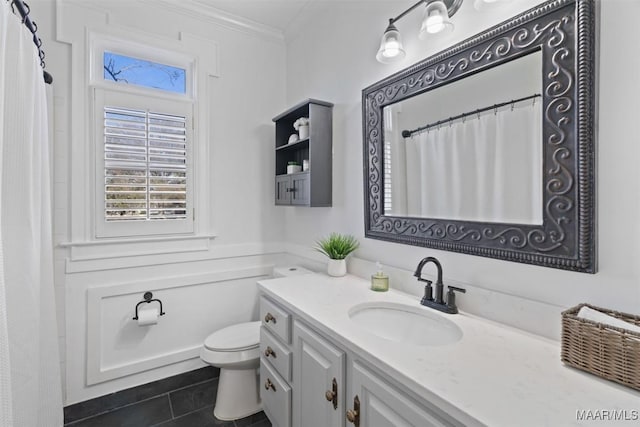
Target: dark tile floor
[184, 400]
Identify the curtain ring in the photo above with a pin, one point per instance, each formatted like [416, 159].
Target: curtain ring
[495, 110]
[450, 121]
[478, 113]
[534, 102]
[512, 105]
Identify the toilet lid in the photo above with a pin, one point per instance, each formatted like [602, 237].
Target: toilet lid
[242, 336]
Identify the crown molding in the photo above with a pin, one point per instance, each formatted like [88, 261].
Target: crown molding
[201, 10]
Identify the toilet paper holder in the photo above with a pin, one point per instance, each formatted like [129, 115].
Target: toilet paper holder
[148, 298]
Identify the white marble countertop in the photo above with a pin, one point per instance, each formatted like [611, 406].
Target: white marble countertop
[495, 375]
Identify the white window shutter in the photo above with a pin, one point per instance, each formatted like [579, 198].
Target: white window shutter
[145, 165]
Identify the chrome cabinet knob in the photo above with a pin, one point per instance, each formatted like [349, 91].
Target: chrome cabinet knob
[269, 385]
[353, 415]
[269, 352]
[332, 395]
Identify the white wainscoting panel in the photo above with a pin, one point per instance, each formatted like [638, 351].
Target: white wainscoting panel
[195, 306]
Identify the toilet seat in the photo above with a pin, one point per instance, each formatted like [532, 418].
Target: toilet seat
[240, 337]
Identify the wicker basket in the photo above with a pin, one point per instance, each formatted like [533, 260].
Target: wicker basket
[603, 350]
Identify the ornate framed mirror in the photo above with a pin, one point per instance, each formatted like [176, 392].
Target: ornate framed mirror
[523, 190]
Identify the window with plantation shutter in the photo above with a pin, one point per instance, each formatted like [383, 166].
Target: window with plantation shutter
[386, 162]
[145, 169]
[143, 187]
[388, 195]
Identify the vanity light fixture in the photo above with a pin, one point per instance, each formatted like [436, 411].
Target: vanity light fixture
[435, 19]
[391, 45]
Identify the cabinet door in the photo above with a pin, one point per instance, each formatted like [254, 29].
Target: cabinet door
[283, 191]
[382, 405]
[300, 189]
[318, 380]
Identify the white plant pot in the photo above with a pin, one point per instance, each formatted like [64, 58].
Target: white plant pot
[337, 267]
[294, 168]
[303, 132]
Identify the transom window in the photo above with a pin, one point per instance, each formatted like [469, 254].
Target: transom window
[140, 72]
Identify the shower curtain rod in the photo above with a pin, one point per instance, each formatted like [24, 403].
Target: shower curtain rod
[408, 133]
[24, 9]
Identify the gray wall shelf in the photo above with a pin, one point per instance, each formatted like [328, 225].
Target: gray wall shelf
[313, 187]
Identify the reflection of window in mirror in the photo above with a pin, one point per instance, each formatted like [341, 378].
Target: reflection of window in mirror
[484, 166]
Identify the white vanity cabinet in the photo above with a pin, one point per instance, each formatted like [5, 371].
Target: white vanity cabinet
[328, 386]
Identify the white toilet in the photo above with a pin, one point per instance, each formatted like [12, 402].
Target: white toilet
[235, 350]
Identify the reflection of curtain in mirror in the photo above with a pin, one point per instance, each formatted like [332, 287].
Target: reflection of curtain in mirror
[483, 169]
[395, 184]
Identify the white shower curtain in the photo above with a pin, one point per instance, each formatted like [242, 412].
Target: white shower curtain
[30, 385]
[486, 168]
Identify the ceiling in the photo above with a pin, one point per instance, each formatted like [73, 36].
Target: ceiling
[277, 14]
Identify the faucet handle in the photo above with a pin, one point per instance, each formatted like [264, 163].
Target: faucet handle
[451, 297]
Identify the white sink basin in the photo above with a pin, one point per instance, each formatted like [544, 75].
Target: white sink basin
[405, 324]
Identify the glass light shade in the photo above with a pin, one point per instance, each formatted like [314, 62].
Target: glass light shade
[391, 48]
[435, 19]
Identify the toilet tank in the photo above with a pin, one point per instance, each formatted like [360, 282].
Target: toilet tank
[292, 270]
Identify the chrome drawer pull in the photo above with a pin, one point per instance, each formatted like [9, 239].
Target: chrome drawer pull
[270, 318]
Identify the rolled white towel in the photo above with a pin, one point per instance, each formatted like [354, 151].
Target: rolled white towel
[600, 317]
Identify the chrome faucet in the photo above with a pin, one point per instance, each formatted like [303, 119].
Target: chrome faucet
[438, 302]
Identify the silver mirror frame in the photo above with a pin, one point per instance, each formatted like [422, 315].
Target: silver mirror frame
[563, 30]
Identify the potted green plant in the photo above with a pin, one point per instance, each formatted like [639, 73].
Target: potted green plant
[293, 167]
[337, 246]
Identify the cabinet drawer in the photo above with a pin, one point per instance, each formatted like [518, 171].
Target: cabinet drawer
[276, 396]
[275, 319]
[277, 354]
